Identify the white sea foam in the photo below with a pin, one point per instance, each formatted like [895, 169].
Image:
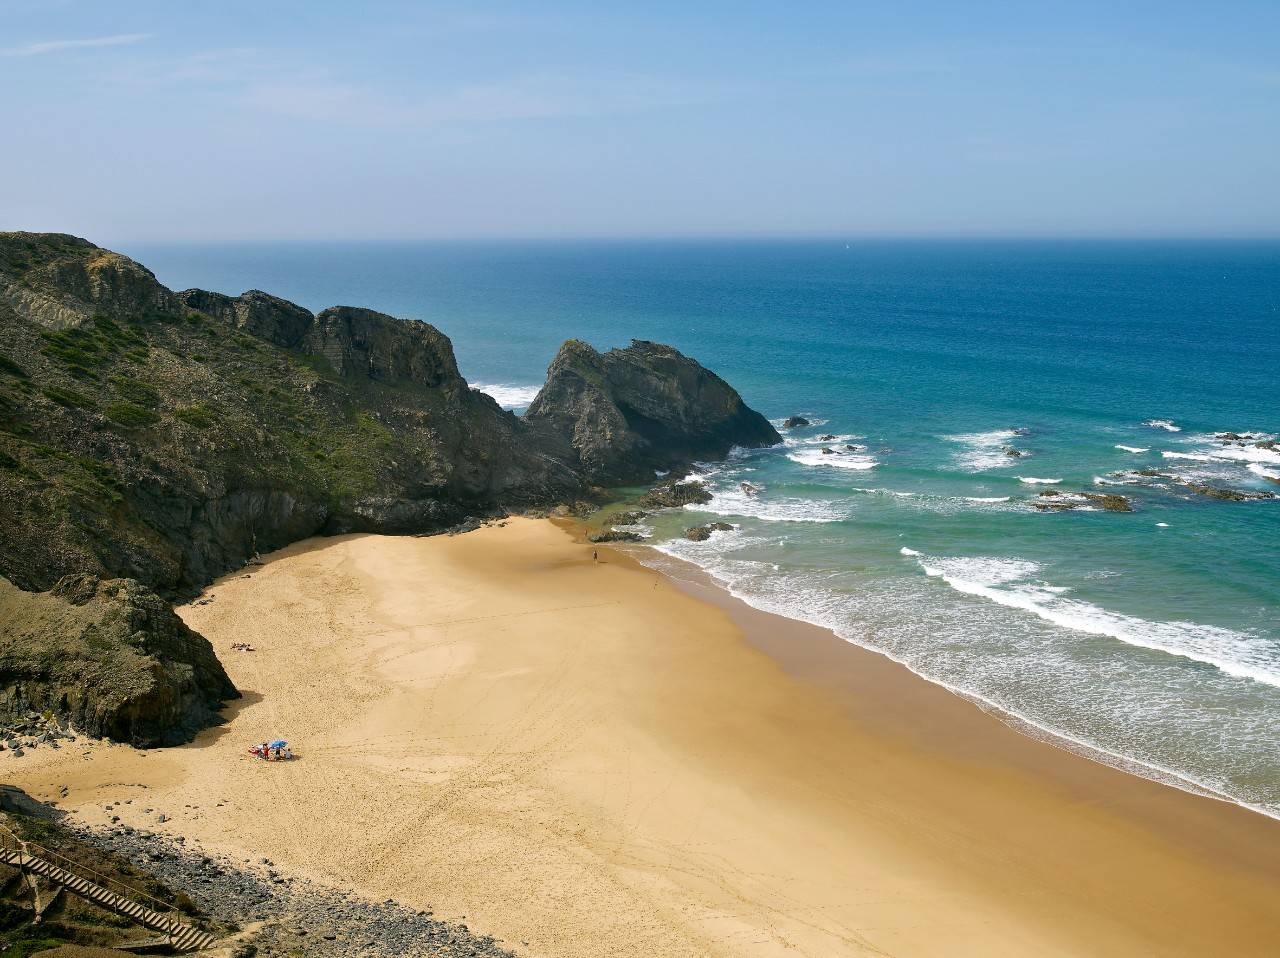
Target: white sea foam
[792, 442]
[985, 450]
[1133, 448]
[1258, 470]
[1164, 424]
[1162, 525]
[1193, 456]
[1007, 582]
[986, 498]
[1247, 454]
[508, 395]
[734, 502]
[881, 617]
[1033, 481]
[835, 460]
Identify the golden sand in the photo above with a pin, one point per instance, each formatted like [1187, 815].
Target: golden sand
[585, 759]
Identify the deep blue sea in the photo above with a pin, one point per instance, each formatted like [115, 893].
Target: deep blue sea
[1150, 639]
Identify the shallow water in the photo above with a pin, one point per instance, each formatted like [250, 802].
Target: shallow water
[1152, 636]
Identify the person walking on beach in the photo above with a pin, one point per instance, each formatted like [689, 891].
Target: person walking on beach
[595, 555]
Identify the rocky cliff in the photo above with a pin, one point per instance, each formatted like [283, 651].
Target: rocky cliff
[629, 412]
[111, 657]
[168, 437]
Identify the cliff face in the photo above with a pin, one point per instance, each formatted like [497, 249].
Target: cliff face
[631, 411]
[168, 437]
[109, 655]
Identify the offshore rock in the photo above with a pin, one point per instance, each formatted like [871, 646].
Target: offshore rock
[791, 422]
[111, 658]
[703, 533]
[629, 412]
[673, 495]
[615, 535]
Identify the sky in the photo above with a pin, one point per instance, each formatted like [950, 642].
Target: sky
[233, 120]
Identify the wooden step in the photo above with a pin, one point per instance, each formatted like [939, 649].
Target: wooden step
[181, 936]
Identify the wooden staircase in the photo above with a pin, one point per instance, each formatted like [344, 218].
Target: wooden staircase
[181, 936]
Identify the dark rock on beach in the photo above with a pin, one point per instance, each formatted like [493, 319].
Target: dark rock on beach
[109, 657]
[615, 535]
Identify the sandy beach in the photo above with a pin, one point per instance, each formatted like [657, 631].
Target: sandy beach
[589, 759]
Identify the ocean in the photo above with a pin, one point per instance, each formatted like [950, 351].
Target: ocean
[1149, 639]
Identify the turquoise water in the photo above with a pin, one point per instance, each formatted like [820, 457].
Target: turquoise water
[1151, 638]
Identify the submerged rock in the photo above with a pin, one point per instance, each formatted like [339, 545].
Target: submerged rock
[1110, 502]
[703, 533]
[627, 518]
[1013, 453]
[827, 438]
[1226, 495]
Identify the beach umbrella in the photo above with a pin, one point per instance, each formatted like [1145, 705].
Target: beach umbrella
[279, 743]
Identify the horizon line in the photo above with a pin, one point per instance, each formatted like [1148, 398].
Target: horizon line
[834, 237]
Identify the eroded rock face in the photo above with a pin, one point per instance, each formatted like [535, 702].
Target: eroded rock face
[111, 657]
[169, 437]
[362, 343]
[648, 407]
[65, 280]
[260, 314]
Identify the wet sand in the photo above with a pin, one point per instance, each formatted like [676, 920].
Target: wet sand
[590, 759]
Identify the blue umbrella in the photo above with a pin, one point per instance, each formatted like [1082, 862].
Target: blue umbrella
[279, 743]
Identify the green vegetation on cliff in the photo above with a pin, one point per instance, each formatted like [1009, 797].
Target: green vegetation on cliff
[167, 437]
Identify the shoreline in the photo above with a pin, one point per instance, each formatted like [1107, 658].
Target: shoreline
[669, 772]
[701, 583]
[859, 676]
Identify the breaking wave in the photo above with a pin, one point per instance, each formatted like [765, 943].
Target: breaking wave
[985, 450]
[508, 395]
[1009, 582]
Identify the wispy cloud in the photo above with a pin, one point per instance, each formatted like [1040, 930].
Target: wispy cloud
[530, 98]
[58, 46]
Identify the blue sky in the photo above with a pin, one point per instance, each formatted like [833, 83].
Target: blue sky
[149, 120]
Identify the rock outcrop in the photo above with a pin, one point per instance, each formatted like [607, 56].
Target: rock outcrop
[260, 314]
[672, 495]
[109, 656]
[630, 412]
[703, 533]
[169, 437]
